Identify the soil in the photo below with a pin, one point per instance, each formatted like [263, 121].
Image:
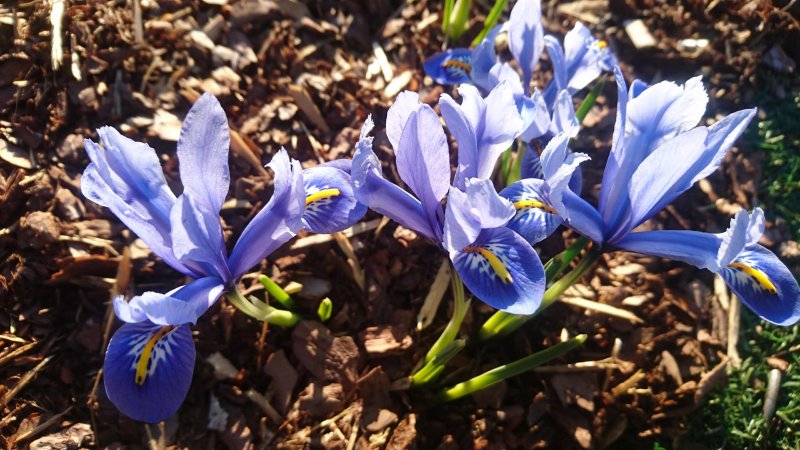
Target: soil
[305, 75]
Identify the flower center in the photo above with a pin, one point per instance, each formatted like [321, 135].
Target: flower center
[144, 360]
[534, 204]
[755, 274]
[322, 195]
[494, 262]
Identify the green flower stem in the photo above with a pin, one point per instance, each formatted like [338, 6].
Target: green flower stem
[433, 368]
[588, 102]
[276, 291]
[261, 311]
[459, 16]
[459, 312]
[515, 368]
[502, 323]
[491, 21]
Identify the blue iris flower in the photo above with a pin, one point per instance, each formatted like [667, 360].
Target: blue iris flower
[496, 264]
[150, 359]
[658, 153]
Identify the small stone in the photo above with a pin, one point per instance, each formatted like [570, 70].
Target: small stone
[383, 419]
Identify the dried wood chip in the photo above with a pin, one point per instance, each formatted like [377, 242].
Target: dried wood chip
[639, 33]
[404, 435]
[284, 379]
[670, 366]
[223, 368]
[385, 340]
[325, 356]
[307, 105]
[15, 155]
[710, 380]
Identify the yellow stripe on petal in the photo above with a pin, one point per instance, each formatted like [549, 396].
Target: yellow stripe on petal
[602, 44]
[495, 262]
[534, 204]
[755, 274]
[147, 352]
[322, 195]
[458, 64]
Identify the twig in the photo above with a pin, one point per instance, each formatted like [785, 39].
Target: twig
[57, 45]
[317, 239]
[42, 426]
[16, 352]
[734, 319]
[601, 308]
[352, 259]
[27, 378]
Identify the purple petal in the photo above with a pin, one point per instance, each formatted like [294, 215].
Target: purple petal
[277, 222]
[331, 205]
[526, 37]
[203, 154]
[177, 307]
[423, 160]
[156, 392]
[461, 128]
[382, 196]
[514, 283]
[126, 177]
[560, 79]
[397, 116]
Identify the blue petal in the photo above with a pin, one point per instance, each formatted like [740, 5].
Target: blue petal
[660, 113]
[560, 78]
[534, 223]
[745, 230]
[483, 59]
[535, 116]
[203, 153]
[331, 205]
[155, 393]
[126, 177]
[277, 222]
[609, 204]
[680, 162]
[478, 207]
[463, 131]
[382, 196]
[583, 217]
[484, 128]
[531, 163]
[451, 66]
[773, 293]
[526, 37]
[586, 57]
[522, 294]
[197, 238]
[179, 306]
[692, 247]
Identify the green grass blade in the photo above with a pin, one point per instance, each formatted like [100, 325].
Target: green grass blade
[491, 21]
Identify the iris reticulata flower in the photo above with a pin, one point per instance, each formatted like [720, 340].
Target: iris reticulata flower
[150, 359]
[658, 153]
[496, 264]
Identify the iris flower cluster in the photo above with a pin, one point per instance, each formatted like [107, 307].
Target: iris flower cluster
[150, 359]
[657, 153]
